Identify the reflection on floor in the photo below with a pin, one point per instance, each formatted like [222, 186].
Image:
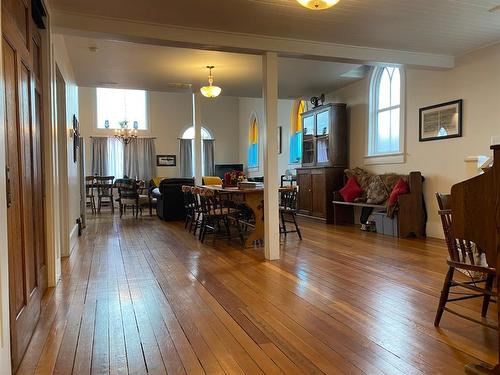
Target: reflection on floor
[140, 295]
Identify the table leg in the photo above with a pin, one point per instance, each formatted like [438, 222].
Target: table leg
[256, 203]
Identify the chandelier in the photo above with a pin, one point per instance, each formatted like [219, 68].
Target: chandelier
[124, 134]
[210, 91]
[318, 4]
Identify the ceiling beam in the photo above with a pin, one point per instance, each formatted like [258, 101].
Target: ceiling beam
[175, 36]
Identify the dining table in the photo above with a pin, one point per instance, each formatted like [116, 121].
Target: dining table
[253, 198]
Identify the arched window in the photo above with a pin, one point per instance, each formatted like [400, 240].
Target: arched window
[296, 132]
[189, 133]
[253, 144]
[386, 120]
[205, 134]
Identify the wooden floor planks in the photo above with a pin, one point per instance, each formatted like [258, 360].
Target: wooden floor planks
[142, 296]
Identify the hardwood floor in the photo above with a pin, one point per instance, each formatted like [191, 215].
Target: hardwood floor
[143, 296]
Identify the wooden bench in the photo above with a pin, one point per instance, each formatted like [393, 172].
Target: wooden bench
[410, 216]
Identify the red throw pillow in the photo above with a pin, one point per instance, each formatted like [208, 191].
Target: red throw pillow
[351, 190]
[400, 188]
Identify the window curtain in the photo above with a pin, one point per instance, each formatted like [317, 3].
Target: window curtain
[99, 156]
[186, 158]
[140, 160]
[115, 158]
[208, 157]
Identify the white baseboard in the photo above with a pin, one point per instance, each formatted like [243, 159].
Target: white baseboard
[73, 238]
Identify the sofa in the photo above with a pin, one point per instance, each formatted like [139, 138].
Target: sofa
[170, 206]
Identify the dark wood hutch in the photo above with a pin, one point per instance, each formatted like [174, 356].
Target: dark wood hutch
[325, 152]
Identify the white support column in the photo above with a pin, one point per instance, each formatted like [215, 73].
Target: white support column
[197, 137]
[271, 215]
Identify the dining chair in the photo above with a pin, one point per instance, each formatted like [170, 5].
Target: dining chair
[145, 198]
[214, 214]
[188, 205]
[105, 192]
[90, 185]
[195, 223]
[129, 196]
[464, 256]
[288, 211]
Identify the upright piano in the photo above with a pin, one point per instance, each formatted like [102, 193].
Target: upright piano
[475, 205]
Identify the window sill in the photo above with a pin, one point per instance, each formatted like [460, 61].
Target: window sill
[394, 158]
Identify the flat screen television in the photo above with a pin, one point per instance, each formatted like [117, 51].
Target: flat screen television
[220, 169]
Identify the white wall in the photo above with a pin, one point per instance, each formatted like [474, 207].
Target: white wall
[63, 63]
[169, 114]
[476, 80]
[249, 107]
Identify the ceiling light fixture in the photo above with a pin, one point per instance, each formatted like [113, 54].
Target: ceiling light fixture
[210, 91]
[318, 4]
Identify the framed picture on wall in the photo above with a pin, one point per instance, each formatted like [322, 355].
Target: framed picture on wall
[441, 121]
[166, 160]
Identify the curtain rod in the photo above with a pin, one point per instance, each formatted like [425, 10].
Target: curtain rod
[192, 139]
[108, 136]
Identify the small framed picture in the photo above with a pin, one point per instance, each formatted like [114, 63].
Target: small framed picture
[441, 121]
[166, 160]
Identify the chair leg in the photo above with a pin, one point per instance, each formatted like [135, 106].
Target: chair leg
[487, 297]
[202, 228]
[112, 203]
[283, 223]
[444, 296]
[240, 231]
[294, 217]
[226, 224]
[99, 205]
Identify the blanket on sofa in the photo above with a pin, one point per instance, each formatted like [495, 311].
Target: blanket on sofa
[376, 188]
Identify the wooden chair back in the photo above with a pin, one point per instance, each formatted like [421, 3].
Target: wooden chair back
[288, 199]
[90, 184]
[127, 188]
[460, 251]
[212, 203]
[105, 185]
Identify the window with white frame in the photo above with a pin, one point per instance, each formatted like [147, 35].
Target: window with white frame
[120, 108]
[386, 121]
[205, 134]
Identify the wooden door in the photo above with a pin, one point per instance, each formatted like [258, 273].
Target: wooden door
[318, 185]
[305, 192]
[27, 270]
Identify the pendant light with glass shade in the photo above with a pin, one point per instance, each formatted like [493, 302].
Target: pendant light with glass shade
[318, 4]
[210, 91]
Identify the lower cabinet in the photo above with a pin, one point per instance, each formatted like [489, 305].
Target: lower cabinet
[316, 187]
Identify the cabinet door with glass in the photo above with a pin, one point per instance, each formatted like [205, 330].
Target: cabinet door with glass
[322, 136]
[308, 139]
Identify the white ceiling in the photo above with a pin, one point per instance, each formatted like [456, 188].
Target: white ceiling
[450, 27]
[157, 68]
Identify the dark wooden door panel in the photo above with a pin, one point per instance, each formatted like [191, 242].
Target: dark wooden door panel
[14, 214]
[27, 160]
[305, 193]
[319, 193]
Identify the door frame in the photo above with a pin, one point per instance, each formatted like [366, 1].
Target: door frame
[62, 162]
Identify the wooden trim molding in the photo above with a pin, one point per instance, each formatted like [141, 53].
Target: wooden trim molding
[177, 36]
